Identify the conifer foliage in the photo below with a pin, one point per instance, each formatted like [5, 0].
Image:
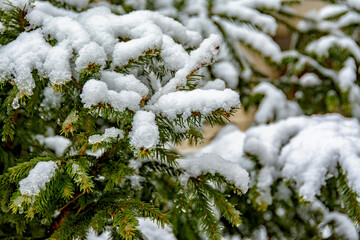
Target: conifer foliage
[91, 104]
[304, 169]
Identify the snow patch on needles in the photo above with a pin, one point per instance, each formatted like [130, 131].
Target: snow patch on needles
[309, 80]
[228, 144]
[211, 163]
[21, 4]
[307, 150]
[354, 4]
[21, 56]
[347, 75]
[344, 226]
[57, 143]
[203, 55]
[255, 39]
[322, 46]
[51, 99]
[185, 103]
[57, 64]
[238, 10]
[2, 28]
[95, 36]
[226, 71]
[91, 53]
[118, 82]
[41, 174]
[153, 232]
[110, 134]
[173, 54]
[96, 92]
[145, 132]
[274, 105]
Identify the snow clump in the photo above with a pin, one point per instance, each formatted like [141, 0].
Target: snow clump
[274, 105]
[110, 134]
[306, 150]
[211, 163]
[41, 174]
[145, 132]
[185, 103]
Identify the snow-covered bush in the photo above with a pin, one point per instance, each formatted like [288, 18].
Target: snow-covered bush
[91, 105]
[304, 176]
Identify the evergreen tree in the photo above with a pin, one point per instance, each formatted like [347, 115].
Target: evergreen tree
[91, 105]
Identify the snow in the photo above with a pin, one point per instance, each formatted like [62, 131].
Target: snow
[44, 11]
[322, 19]
[153, 232]
[255, 39]
[242, 12]
[109, 135]
[91, 235]
[98, 153]
[217, 84]
[58, 28]
[125, 51]
[309, 80]
[348, 19]
[344, 226]
[93, 37]
[19, 58]
[21, 4]
[354, 4]
[145, 132]
[118, 82]
[96, 92]
[203, 55]
[331, 10]
[347, 75]
[2, 28]
[57, 143]
[174, 54]
[91, 53]
[57, 64]
[307, 150]
[322, 46]
[228, 144]
[148, 228]
[211, 163]
[51, 99]
[226, 71]
[38, 177]
[354, 98]
[274, 105]
[187, 102]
